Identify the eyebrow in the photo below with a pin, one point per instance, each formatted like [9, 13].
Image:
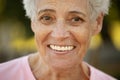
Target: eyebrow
[78, 12]
[51, 10]
[46, 10]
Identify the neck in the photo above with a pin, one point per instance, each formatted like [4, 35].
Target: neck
[42, 71]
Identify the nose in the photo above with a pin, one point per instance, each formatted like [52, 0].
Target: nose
[60, 31]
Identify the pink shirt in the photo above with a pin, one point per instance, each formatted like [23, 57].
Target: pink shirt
[19, 69]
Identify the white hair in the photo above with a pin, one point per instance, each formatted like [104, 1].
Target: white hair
[96, 7]
[99, 6]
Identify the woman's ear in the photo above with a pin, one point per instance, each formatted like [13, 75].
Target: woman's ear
[97, 24]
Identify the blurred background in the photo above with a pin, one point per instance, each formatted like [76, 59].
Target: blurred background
[17, 39]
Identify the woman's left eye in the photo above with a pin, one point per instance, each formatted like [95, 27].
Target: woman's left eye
[75, 21]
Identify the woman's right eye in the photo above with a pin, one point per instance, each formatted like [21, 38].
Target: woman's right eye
[47, 19]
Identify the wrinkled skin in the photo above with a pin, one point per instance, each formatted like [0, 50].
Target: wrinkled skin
[62, 23]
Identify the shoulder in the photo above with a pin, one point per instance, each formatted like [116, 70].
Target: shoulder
[96, 74]
[14, 69]
[12, 63]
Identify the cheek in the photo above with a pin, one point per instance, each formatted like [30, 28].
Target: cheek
[41, 39]
[39, 44]
[41, 33]
[84, 39]
[82, 35]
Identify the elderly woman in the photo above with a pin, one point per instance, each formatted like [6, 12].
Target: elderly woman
[63, 30]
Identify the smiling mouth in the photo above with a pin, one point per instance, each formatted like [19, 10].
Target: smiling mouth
[63, 48]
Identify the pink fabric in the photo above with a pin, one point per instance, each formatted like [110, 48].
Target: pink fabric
[19, 69]
[99, 75]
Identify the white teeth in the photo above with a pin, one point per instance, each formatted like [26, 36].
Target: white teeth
[61, 48]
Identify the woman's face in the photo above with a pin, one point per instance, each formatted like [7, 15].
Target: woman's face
[62, 31]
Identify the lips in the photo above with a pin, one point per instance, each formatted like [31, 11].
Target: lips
[62, 48]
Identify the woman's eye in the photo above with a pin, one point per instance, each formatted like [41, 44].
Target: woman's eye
[46, 19]
[75, 21]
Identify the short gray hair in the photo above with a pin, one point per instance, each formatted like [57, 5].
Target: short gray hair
[96, 7]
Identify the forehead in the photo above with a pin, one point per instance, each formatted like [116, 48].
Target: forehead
[63, 5]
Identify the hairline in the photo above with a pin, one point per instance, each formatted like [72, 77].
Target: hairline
[93, 12]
